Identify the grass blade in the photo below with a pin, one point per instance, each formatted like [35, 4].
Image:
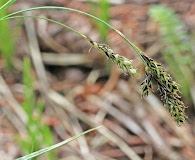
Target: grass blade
[42, 151]
[7, 42]
[6, 5]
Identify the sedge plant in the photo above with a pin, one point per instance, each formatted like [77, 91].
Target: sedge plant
[168, 88]
[155, 73]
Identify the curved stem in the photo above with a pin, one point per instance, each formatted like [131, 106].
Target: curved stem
[50, 20]
[137, 50]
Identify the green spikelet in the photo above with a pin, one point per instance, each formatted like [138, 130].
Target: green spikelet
[168, 89]
[123, 63]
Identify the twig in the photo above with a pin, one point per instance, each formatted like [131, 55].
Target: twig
[121, 117]
[160, 111]
[158, 141]
[65, 59]
[48, 40]
[102, 157]
[112, 81]
[15, 106]
[113, 2]
[61, 101]
[82, 140]
[35, 53]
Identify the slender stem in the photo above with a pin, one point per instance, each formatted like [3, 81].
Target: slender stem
[51, 20]
[137, 50]
[47, 19]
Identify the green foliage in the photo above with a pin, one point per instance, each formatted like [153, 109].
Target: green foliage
[7, 44]
[39, 134]
[177, 51]
[139, 52]
[5, 5]
[102, 11]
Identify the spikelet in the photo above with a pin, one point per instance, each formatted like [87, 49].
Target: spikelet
[123, 63]
[169, 89]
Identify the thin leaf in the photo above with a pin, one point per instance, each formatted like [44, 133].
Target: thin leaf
[6, 5]
[44, 150]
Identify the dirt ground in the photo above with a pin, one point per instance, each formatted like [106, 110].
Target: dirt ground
[83, 89]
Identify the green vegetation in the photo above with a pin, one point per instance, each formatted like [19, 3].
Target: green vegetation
[147, 62]
[178, 48]
[39, 134]
[102, 11]
[7, 44]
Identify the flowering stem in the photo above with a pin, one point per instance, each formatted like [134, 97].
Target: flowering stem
[137, 50]
[155, 73]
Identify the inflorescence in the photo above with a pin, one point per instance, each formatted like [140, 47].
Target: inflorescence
[124, 63]
[168, 89]
[155, 74]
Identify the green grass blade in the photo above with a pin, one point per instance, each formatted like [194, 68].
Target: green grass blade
[104, 15]
[6, 5]
[7, 42]
[29, 97]
[101, 11]
[42, 151]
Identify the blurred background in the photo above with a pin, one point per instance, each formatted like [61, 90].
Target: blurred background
[52, 87]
